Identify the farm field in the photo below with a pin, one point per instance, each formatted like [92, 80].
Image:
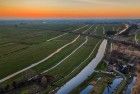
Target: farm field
[27, 50]
[138, 37]
[69, 47]
[31, 54]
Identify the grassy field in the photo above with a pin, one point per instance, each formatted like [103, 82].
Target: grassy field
[102, 29]
[25, 44]
[99, 88]
[59, 56]
[14, 56]
[99, 30]
[34, 53]
[74, 60]
[100, 85]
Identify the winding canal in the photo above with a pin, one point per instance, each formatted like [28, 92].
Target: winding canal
[85, 73]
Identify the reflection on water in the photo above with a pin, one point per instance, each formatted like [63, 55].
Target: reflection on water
[111, 88]
[87, 90]
[130, 86]
[85, 73]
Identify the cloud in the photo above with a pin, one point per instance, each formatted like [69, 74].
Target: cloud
[69, 3]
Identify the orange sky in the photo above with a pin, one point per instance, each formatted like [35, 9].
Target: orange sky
[69, 8]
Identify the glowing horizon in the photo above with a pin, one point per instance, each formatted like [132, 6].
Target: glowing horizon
[69, 8]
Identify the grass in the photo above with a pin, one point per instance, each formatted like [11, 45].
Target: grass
[107, 27]
[59, 56]
[25, 44]
[74, 61]
[101, 66]
[35, 53]
[113, 27]
[11, 48]
[100, 86]
[32, 33]
[99, 30]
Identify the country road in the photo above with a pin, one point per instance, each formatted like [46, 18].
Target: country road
[35, 64]
[81, 62]
[66, 33]
[127, 26]
[67, 56]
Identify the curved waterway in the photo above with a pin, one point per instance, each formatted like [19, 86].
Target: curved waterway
[85, 73]
[110, 89]
[87, 90]
[130, 86]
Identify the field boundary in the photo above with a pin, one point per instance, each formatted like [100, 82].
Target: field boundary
[35, 64]
[66, 33]
[66, 56]
[81, 62]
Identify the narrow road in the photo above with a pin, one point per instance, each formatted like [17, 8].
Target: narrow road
[85, 73]
[66, 33]
[106, 72]
[84, 60]
[80, 28]
[88, 29]
[103, 30]
[57, 37]
[127, 26]
[120, 74]
[81, 62]
[35, 64]
[67, 56]
[70, 53]
[136, 40]
[95, 29]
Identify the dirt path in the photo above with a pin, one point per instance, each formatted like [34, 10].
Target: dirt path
[81, 62]
[65, 33]
[66, 56]
[35, 64]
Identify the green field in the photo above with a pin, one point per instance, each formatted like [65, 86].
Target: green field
[24, 45]
[17, 59]
[102, 29]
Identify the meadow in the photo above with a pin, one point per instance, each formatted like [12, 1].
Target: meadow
[48, 49]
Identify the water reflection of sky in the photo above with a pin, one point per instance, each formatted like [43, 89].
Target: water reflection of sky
[113, 86]
[130, 86]
[85, 73]
[87, 90]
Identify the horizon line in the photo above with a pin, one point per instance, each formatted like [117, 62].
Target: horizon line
[69, 18]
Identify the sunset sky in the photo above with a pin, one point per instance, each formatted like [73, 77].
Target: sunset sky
[69, 8]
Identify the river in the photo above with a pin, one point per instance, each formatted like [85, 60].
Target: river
[110, 89]
[130, 86]
[87, 90]
[85, 73]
